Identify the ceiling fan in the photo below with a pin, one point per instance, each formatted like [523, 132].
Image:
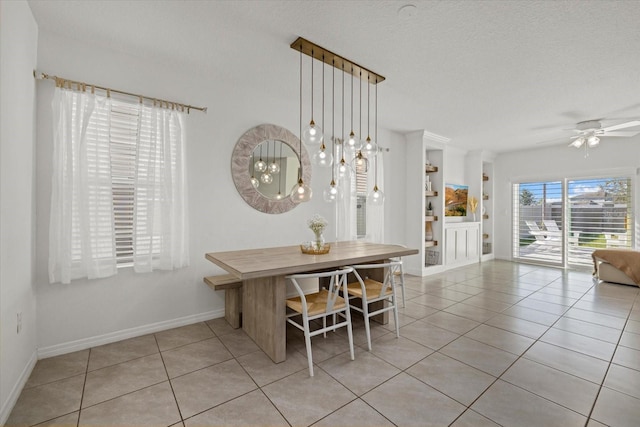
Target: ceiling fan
[590, 131]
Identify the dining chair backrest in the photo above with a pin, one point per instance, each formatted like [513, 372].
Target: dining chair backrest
[331, 301]
[375, 291]
[337, 283]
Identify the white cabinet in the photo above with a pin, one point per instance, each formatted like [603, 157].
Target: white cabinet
[462, 243]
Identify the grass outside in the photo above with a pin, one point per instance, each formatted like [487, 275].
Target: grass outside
[589, 240]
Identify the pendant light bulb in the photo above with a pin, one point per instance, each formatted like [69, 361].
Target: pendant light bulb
[266, 178]
[353, 143]
[255, 182]
[360, 164]
[344, 171]
[260, 166]
[274, 168]
[322, 158]
[376, 197]
[312, 134]
[300, 192]
[332, 193]
[370, 148]
[279, 196]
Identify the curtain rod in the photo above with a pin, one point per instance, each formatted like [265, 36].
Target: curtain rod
[64, 82]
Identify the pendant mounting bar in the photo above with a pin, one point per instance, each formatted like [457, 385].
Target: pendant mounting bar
[335, 60]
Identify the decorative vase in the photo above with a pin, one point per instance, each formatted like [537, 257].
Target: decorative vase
[474, 217]
[428, 232]
[319, 242]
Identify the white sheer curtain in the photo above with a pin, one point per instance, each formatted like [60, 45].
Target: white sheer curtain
[375, 214]
[161, 229]
[81, 237]
[346, 206]
[82, 242]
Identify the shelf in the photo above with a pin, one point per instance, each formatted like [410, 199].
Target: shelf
[431, 218]
[430, 193]
[430, 168]
[430, 243]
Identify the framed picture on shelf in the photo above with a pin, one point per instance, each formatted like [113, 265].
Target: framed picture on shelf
[455, 200]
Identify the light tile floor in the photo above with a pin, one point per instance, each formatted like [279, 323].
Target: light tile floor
[493, 344]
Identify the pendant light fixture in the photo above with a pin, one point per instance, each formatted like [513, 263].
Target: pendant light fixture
[344, 171]
[322, 157]
[254, 181]
[274, 168]
[312, 134]
[279, 196]
[348, 148]
[376, 197]
[301, 192]
[333, 192]
[266, 177]
[260, 165]
[353, 143]
[369, 147]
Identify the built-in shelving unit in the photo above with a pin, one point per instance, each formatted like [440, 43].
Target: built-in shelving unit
[430, 258]
[425, 177]
[487, 207]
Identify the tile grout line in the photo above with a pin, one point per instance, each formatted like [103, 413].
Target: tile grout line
[513, 363]
[166, 371]
[604, 378]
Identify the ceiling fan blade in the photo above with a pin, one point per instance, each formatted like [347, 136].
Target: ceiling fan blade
[622, 126]
[622, 133]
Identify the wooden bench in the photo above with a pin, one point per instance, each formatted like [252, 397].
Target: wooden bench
[232, 287]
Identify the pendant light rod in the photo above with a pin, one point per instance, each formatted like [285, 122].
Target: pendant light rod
[300, 134]
[328, 57]
[333, 119]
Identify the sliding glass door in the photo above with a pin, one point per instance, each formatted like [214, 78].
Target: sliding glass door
[539, 213]
[599, 216]
[563, 222]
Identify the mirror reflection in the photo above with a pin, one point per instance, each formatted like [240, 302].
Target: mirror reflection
[273, 167]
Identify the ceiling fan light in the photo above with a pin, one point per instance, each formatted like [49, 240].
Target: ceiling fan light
[578, 142]
[593, 140]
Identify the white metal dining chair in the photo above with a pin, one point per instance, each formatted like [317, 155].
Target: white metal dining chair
[327, 302]
[398, 272]
[371, 291]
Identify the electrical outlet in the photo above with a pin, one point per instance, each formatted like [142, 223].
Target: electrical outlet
[19, 322]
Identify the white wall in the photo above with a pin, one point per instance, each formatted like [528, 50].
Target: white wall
[614, 156]
[18, 51]
[91, 312]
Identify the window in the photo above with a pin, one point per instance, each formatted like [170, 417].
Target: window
[563, 222]
[118, 187]
[599, 216]
[124, 127]
[361, 200]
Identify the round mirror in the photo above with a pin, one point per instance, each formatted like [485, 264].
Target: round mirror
[264, 166]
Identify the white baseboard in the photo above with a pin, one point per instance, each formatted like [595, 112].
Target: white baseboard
[82, 344]
[8, 405]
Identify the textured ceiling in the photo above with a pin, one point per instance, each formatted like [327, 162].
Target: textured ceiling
[494, 75]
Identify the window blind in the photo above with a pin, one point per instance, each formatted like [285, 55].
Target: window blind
[124, 129]
[599, 216]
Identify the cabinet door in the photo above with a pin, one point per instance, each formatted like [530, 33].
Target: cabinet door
[473, 243]
[450, 246]
[461, 244]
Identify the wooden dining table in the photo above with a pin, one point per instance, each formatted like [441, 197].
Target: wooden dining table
[263, 273]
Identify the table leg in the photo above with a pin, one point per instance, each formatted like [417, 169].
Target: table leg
[263, 315]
